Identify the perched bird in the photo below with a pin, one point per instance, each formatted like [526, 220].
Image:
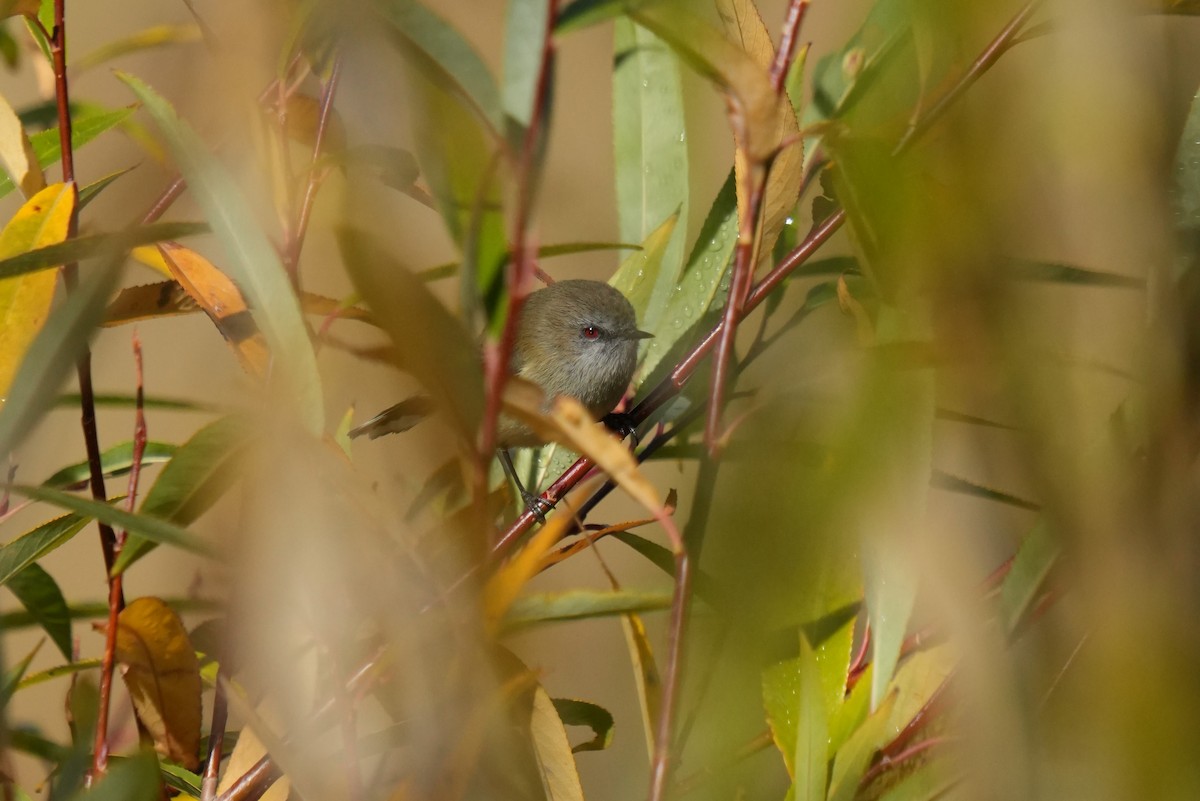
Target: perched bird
[575, 338]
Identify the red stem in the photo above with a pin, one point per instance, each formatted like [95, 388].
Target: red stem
[115, 594]
[787, 43]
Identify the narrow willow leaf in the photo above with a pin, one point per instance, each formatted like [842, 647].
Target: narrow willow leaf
[650, 149]
[96, 246]
[180, 779]
[199, 473]
[579, 604]
[524, 31]
[109, 399]
[31, 546]
[451, 371]
[116, 461]
[252, 261]
[25, 299]
[1030, 567]
[584, 713]
[53, 354]
[89, 193]
[69, 669]
[854, 757]
[147, 39]
[93, 610]
[16, 153]
[154, 529]
[953, 483]
[811, 758]
[1054, 272]
[12, 677]
[84, 128]
[449, 53]
[646, 677]
[162, 674]
[38, 592]
[552, 750]
[639, 278]
[1187, 171]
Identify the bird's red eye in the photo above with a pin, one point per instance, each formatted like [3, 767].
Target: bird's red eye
[591, 332]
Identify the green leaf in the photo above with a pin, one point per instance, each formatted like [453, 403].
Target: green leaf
[53, 354]
[1032, 564]
[639, 278]
[13, 677]
[130, 401]
[580, 604]
[31, 546]
[88, 193]
[447, 52]
[953, 483]
[651, 159]
[116, 461]
[414, 318]
[1057, 273]
[585, 713]
[812, 730]
[1187, 171]
[130, 779]
[252, 262]
[159, 531]
[92, 610]
[837, 75]
[149, 38]
[69, 669]
[854, 757]
[96, 246]
[524, 31]
[38, 592]
[199, 473]
[181, 779]
[584, 13]
[85, 128]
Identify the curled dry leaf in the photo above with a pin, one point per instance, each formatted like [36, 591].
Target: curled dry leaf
[222, 301]
[163, 676]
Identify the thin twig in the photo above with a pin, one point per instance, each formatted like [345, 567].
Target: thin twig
[70, 273]
[787, 43]
[216, 741]
[115, 594]
[670, 386]
[295, 234]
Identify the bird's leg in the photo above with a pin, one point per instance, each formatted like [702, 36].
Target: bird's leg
[536, 505]
[621, 423]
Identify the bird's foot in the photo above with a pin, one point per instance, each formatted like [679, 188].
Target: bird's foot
[536, 505]
[622, 423]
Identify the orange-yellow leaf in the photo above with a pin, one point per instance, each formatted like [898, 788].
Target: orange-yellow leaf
[149, 256]
[222, 301]
[25, 299]
[744, 27]
[147, 302]
[162, 674]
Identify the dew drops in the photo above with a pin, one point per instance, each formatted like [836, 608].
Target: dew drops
[677, 323]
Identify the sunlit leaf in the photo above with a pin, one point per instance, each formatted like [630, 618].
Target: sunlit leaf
[640, 278]
[651, 162]
[16, 153]
[1025, 579]
[199, 473]
[252, 261]
[38, 592]
[116, 461]
[53, 354]
[84, 128]
[25, 299]
[578, 604]
[447, 52]
[853, 758]
[152, 37]
[96, 246]
[31, 546]
[150, 528]
[921, 676]
[812, 730]
[162, 674]
[556, 762]
[584, 713]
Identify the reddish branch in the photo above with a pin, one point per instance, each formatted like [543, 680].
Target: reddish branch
[521, 265]
[672, 384]
[787, 43]
[115, 595]
[70, 272]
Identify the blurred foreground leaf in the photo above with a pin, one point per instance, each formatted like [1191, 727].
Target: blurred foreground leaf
[556, 761]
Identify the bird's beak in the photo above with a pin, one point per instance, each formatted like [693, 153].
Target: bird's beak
[641, 335]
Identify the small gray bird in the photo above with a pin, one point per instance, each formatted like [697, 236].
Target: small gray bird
[575, 338]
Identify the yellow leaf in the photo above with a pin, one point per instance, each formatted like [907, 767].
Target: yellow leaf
[15, 149]
[645, 676]
[149, 256]
[744, 26]
[162, 674]
[556, 763]
[246, 753]
[25, 299]
[222, 301]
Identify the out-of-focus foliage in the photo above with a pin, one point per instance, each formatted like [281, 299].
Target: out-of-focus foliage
[949, 550]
